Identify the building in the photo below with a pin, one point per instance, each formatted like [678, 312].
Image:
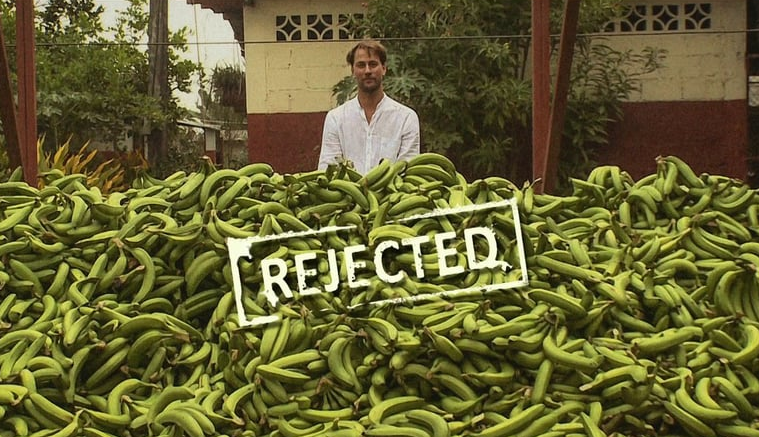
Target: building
[695, 107]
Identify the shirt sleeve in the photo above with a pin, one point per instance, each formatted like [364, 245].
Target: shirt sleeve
[410, 138]
[331, 151]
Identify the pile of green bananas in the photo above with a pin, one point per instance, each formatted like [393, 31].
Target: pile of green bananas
[641, 318]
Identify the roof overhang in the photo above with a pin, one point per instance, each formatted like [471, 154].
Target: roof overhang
[198, 124]
[231, 10]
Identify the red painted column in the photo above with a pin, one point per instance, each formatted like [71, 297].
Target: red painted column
[27, 89]
[8, 116]
[560, 92]
[541, 85]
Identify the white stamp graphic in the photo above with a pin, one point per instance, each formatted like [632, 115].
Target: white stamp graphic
[298, 277]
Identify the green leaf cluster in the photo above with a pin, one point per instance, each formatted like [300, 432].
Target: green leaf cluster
[92, 79]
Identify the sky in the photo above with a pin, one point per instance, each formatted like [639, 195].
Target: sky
[210, 41]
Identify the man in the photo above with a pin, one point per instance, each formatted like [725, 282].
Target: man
[371, 126]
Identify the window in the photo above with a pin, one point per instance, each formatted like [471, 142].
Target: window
[671, 17]
[314, 27]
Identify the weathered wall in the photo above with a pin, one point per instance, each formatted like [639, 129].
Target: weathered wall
[704, 44]
[295, 55]
[695, 106]
[289, 142]
[710, 135]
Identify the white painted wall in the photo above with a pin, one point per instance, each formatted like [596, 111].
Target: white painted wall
[706, 64]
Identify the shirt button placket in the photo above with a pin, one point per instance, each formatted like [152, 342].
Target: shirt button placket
[368, 151]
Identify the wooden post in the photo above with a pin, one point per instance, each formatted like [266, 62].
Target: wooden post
[560, 92]
[158, 59]
[8, 116]
[541, 84]
[27, 89]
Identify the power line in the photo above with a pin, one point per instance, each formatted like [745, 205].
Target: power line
[406, 39]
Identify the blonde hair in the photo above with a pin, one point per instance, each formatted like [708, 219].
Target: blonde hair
[371, 47]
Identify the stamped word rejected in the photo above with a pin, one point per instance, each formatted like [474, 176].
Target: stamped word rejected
[349, 260]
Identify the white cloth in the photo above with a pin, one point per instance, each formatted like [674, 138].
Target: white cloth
[392, 134]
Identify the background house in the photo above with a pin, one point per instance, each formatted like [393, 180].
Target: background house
[696, 107]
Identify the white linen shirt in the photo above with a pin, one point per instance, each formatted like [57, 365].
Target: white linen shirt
[392, 134]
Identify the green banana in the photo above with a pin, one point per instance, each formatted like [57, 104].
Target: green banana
[568, 359]
[736, 397]
[688, 421]
[704, 413]
[394, 405]
[665, 340]
[514, 424]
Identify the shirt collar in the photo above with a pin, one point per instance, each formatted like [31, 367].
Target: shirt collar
[383, 101]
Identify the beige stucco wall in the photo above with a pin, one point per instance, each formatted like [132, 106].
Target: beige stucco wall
[292, 77]
[700, 65]
[297, 77]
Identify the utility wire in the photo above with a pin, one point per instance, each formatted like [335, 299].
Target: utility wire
[406, 39]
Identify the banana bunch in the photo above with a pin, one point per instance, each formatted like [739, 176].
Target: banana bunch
[117, 315]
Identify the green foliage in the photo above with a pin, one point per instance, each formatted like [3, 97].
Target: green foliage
[5, 169]
[226, 76]
[228, 86]
[92, 80]
[464, 66]
[183, 153]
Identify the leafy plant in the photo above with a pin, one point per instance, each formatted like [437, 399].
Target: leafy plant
[108, 175]
[228, 85]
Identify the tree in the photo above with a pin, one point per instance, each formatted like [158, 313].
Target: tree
[92, 80]
[464, 66]
[228, 86]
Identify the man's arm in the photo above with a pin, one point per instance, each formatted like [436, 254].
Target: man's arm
[410, 138]
[331, 150]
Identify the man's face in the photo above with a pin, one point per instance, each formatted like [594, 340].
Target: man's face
[368, 71]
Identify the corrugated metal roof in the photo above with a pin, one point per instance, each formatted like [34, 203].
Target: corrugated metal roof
[197, 123]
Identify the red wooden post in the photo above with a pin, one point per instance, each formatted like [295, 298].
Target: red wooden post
[8, 116]
[541, 85]
[27, 89]
[561, 89]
